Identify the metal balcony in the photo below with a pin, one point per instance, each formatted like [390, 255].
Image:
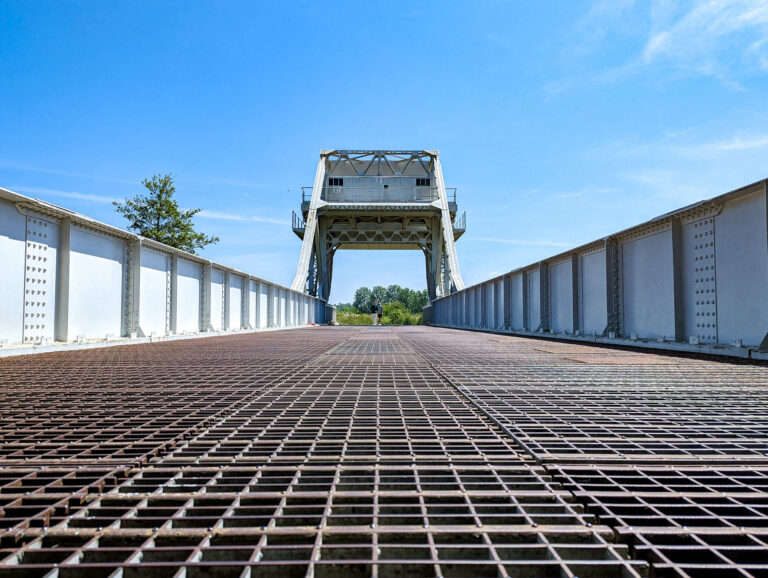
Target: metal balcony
[378, 195]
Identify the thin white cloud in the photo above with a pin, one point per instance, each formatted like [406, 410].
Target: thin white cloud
[65, 194]
[14, 166]
[719, 38]
[526, 242]
[570, 195]
[723, 39]
[206, 214]
[735, 144]
[224, 182]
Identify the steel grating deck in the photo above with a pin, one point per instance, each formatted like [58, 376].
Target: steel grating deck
[381, 451]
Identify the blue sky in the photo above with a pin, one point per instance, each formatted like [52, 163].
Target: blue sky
[559, 122]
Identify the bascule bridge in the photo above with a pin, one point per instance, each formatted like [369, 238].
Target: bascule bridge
[378, 199]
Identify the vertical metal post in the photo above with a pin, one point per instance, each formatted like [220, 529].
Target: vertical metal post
[544, 325]
[257, 304]
[484, 305]
[271, 306]
[173, 313]
[132, 292]
[677, 279]
[576, 293]
[507, 303]
[227, 281]
[478, 306]
[205, 297]
[61, 323]
[612, 273]
[526, 301]
[245, 304]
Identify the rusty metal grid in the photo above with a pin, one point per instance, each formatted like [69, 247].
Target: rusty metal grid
[382, 452]
[670, 452]
[343, 454]
[656, 408]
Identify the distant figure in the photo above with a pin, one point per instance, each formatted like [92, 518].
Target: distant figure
[374, 311]
[380, 311]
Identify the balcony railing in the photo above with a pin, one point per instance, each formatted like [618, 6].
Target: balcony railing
[378, 194]
[298, 222]
[460, 224]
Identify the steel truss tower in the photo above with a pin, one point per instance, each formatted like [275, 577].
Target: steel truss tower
[378, 199]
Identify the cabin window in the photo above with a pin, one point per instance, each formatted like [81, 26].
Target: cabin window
[335, 182]
[421, 182]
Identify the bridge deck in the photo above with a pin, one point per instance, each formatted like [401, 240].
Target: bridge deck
[379, 451]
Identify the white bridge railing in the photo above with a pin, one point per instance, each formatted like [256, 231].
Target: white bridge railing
[695, 279]
[68, 278]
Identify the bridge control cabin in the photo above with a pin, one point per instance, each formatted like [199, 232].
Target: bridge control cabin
[376, 199]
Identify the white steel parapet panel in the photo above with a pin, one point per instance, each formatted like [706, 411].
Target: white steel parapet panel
[69, 278]
[500, 304]
[253, 304]
[534, 301]
[235, 302]
[217, 299]
[561, 296]
[190, 276]
[517, 317]
[96, 285]
[647, 280]
[154, 294]
[690, 280]
[594, 313]
[13, 235]
[741, 248]
[263, 320]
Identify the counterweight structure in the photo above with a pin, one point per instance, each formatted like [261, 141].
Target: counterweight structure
[378, 199]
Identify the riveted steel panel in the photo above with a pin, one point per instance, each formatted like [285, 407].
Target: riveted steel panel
[217, 299]
[594, 313]
[235, 301]
[190, 276]
[700, 280]
[517, 320]
[648, 286]
[13, 237]
[561, 296]
[741, 251]
[96, 284]
[263, 305]
[534, 300]
[155, 292]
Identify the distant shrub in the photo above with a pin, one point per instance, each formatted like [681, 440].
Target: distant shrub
[397, 313]
[349, 318]
[394, 314]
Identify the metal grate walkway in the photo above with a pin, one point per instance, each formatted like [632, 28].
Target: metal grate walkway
[385, 452]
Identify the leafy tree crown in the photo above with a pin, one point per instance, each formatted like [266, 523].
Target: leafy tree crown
[412, 300]
[157, 216]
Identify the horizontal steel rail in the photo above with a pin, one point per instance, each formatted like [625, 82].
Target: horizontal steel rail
[690, 280]
[70, 279]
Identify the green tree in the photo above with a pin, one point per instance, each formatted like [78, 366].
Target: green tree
[394, 293]
[363, 300]
[397, 313]
[417, 300]
[157, 216]
[379, 293]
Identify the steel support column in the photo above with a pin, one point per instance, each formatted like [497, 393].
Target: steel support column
[677, 279]
[613, 288]
[61, 325]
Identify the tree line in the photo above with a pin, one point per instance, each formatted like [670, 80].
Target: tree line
[411, 299]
